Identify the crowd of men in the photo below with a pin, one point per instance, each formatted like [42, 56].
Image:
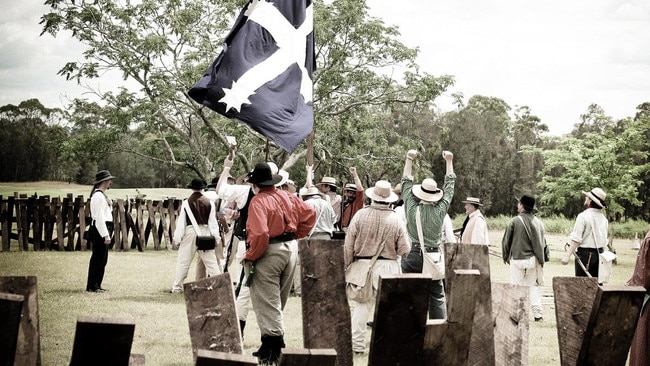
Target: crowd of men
[257, 218]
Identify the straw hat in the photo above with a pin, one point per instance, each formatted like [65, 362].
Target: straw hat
[330, 181]
[381, 192]
[428, 191]
[473, 201]
[598, 196]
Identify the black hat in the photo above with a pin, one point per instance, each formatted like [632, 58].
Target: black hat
[528, 202]
[262, 176]
[197, 184]
[214, 182]
[102, 175]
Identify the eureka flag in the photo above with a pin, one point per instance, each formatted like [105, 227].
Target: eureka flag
[263, 74]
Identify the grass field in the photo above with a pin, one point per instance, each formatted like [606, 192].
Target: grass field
[139, 284]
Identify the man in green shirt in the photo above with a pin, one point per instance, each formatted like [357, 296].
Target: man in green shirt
[433, 203]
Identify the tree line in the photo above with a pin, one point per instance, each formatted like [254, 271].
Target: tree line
[372, 103]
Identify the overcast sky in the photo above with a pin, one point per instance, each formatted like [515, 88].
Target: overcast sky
[555, 56]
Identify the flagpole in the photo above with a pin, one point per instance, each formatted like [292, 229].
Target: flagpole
[310, 149]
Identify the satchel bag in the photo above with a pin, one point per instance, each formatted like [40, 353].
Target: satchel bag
[433, 263]
[606, 259]
[203, 242]
[358, 286]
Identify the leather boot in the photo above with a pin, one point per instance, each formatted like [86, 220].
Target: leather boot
[269, 351]
[242, 325]
[264, 352]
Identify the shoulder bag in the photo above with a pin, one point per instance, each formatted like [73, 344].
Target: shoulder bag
[203, 242]
[433, 263]
[358, 280]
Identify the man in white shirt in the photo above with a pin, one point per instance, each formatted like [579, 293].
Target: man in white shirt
[474, 229]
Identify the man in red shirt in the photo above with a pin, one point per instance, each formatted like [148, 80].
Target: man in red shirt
[353, 199]
[275, 220]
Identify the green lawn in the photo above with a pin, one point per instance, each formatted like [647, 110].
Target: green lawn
[139, 284]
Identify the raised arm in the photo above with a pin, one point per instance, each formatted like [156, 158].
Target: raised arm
[309, 180]
[449, 158]
[408, 164]
[357, 181]
[223, 178]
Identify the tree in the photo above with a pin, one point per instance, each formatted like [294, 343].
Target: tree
[614, 159]
[28, 141]
[165, 46]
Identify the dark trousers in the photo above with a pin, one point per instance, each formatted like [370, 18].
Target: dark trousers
[98, 259]
[590, 259]
[437, 302]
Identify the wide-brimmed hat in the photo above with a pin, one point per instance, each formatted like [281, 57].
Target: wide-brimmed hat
[291, 186]
[281, 172]
[102, 175]
[428, 191]
[263, 176]
[330, 181]
[528, 201]
[597, 195]
[350, 187]
[311, 191]
[381, 192]
[473, 201]
[197, 184]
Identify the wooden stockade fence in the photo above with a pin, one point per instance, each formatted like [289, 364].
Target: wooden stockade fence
[52, 223]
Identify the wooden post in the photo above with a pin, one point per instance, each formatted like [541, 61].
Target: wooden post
[123, 243]
[140, 222]
[70, 222]
[82, 225]
[174, 205]
[28, 348]
[11, 307]
[307, 357]
[398, 328]
[50, 219]
[447, 341]
[37, 228]
[212, 358]
[595, 324]
[165, 208]
[211, 314]
[475, 256]
[102, 341]
[21, 212]
[152, 222]
[511, 329]
[5, 223]
[325, 310]
[59, 209]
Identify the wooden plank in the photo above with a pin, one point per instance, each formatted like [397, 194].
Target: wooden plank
[611, 325]
[174, 206]
[21, 222]
[28, 349]
[5, 223]
[399, 323]
[136, 359]
[307, 357]
[574, 299]
[213, 358]
[37, 228]
[70, 223]
[102, 341]
[120, 226]
[50, 222]
[326, 318]
[212, 316]
[82, 225]
[475, 256]
[511, 324]
[447, 342]
[11, 307]
[164, 213]
[152, 222]
[140, 222]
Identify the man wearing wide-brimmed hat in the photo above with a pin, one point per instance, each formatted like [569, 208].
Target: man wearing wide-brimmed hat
[474, 229]
[354, 199]
[276, 219]
[374, 228]
[433, 203]
[327, 186]
[101, 230]
[203, 210]
[589, 235]
[523, 249]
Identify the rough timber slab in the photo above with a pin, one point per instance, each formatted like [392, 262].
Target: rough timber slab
[475, 256]
[11, 308]
[510, 304]
[212, 317]
[28, 349]
[102, 341]
[325, 311]
[213, 358]
[307, 357]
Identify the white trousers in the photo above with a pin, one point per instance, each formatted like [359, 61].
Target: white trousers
[361, 311]
[186, 252]
[526, 272]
